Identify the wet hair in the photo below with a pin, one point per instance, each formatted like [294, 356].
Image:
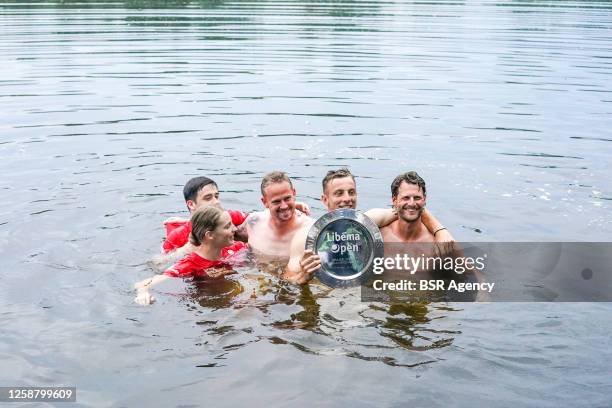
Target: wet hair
[193, 187]
[204, 219]
[334, 174]
[410, 177]
[274, 177]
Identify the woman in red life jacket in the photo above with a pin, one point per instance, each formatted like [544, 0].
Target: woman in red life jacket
[212, 234]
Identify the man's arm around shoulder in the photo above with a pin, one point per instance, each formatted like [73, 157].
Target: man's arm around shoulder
[381, 216]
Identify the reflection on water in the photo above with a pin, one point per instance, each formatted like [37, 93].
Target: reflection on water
[109, 107]
[338, 323]
[216, 294]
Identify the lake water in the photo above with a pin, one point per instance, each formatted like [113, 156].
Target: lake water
[107, 108]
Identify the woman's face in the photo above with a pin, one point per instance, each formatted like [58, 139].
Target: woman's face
[223, 234]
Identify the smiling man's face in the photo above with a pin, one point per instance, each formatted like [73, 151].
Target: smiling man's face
[279, 199]
[340, 192]
[409, 202]
[208, 195]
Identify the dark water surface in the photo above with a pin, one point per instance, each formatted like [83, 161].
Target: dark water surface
[107, 108]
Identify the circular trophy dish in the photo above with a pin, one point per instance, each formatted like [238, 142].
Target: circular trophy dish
[347, 242]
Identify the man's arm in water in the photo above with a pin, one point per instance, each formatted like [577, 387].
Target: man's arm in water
[482, 295]
[172, 220]
[302, 264]
[143, 297]
[158, 262]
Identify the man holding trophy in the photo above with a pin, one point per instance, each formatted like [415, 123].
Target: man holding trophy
[340, 193]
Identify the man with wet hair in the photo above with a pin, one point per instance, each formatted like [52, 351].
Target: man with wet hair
[198, 192]
[340, 191]
[408, 196]
[270, 232]
[201, 192]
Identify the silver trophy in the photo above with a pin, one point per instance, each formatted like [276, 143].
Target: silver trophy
[347, 242]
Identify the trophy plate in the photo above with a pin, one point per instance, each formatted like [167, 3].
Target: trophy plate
[347, 242]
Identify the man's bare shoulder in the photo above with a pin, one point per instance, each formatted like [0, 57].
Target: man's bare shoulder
[257, 217]
[302, 234]
[303, 220]
[427, 236]
[388, 235]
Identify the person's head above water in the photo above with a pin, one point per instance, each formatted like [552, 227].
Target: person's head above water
[201, 191]
[408, 195]
[339, 189]
[210, 225]
[278, 195]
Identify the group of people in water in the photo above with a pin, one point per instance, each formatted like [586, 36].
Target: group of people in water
[214, 241]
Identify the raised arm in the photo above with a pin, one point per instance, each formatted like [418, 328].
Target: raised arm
[444, 241]
[302, 264]
[302, 207]
[175, 220]
[143, 297]
[382, 216]
[440, 233]
[242, 231]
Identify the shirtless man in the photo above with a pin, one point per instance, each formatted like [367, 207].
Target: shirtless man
[340, 191]
[198, 192]
[408, 195]
[270, 232]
